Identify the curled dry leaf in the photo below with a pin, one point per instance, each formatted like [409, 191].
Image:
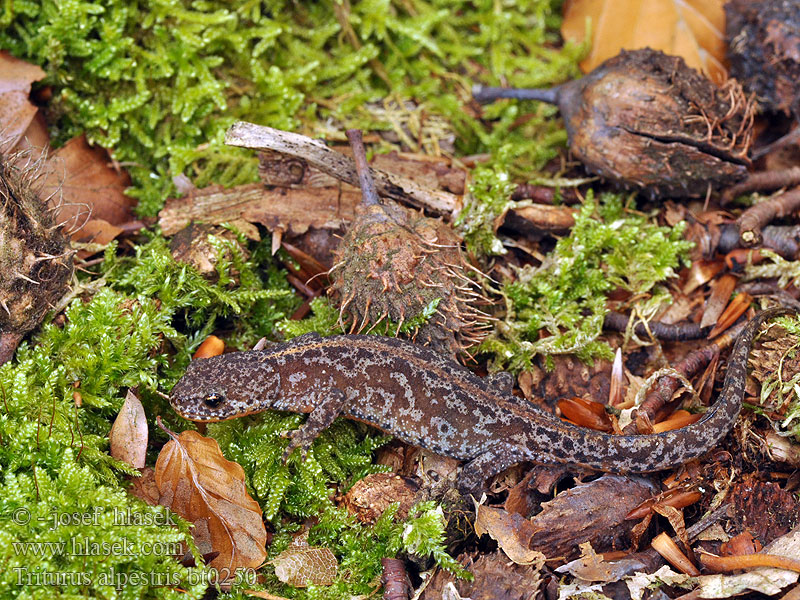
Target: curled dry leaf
[511, 531]
[585, 413]
[198, 483]
[300, 564]
[641, 583]
[592, 567]
[692, 29]
[128, 436]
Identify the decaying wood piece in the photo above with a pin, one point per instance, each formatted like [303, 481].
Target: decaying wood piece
[537, 219]
[435, 172]
[249, 135]
[287, 210]
[594, 511]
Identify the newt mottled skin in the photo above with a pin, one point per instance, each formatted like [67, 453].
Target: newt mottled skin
[427, 400]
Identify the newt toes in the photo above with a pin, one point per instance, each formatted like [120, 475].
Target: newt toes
[427, 400]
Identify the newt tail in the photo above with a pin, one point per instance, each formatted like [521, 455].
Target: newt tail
[427, 400]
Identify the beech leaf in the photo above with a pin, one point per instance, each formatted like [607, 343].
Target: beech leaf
[300, 564]
[16, 110]
[128, 436]
[692, 29]
[197, 482]
[85, 186]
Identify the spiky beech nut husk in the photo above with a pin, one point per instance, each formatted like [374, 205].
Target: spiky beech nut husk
[394, 263]
[644, 119]
[35, 257]
[764, 50]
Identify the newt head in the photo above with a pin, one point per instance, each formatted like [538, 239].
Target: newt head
[226, 386]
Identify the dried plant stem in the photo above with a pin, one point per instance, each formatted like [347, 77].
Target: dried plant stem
[369, 195]
[490, 94]
[317, 154]
[764, 180]
[673, 332]
[753, 219]
[748, 561]
[661, 393]
[396, 585]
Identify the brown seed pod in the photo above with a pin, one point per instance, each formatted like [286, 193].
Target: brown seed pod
[764, 50]
[35, 256]
[645, 120]
[394, 263]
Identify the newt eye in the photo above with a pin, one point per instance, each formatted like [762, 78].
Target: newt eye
[214, 399]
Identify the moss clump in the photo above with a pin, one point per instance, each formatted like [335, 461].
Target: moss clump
[291, 494]
[57, 401]
[159, 81]
[490, 193]
[559, 306]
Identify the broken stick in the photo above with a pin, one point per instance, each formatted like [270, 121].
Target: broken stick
[314, 152]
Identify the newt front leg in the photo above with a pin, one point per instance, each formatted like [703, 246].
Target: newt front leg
[323, 415]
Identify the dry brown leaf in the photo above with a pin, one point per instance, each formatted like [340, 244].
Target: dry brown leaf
[692, 29]
[84, 184]
[292, 211]
[300, 564]
[198, 483]
[16, 110]
[97, 232]
[128, 436]
[512, 532]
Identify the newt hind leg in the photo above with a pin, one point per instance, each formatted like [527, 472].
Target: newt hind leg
[495, 458]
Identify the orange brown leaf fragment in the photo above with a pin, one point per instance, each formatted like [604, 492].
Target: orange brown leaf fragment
[211, 346]
[512, 531]
[198, 483]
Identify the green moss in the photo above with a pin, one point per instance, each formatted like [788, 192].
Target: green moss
[490, 197]
[54, 453]
[292, 493]
[559, 306]
[159, 81]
